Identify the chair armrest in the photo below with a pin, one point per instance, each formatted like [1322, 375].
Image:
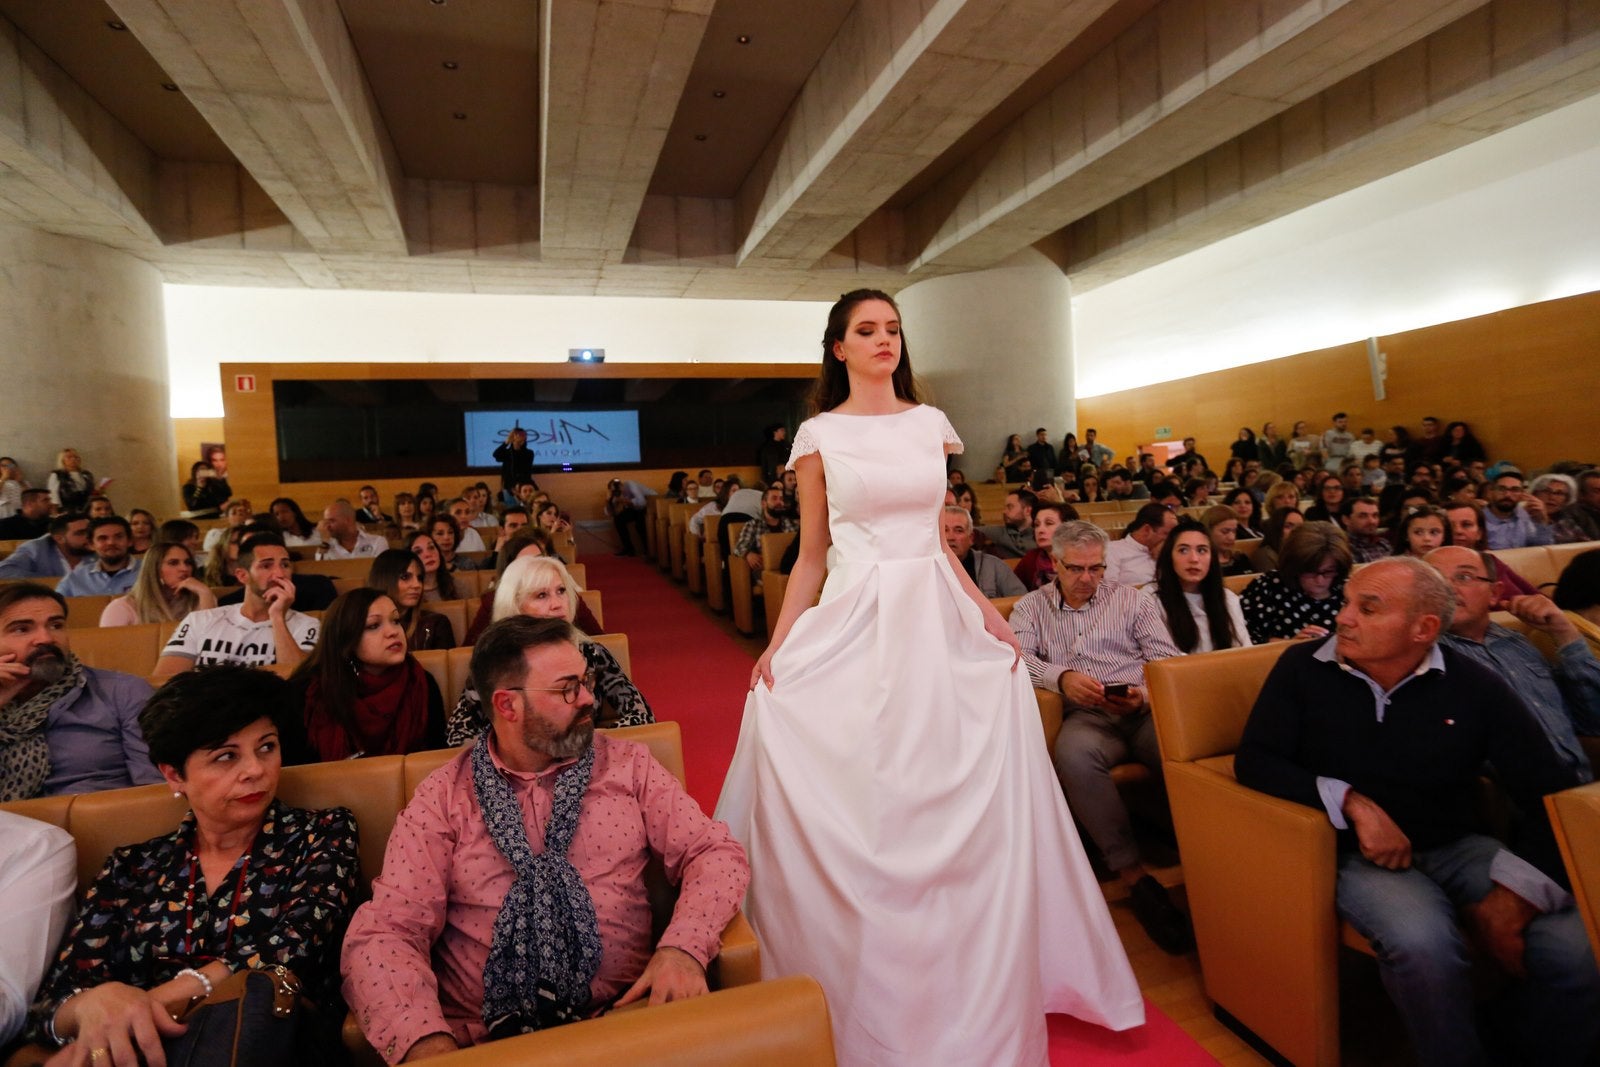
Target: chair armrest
[739, 962]
[1259, 873]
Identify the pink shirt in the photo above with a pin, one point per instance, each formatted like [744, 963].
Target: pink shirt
[414, 955]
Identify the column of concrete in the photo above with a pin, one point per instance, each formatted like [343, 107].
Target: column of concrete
[86, 365]
[995, 347]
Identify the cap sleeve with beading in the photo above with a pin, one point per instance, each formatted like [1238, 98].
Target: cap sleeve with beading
[805, 444]
[952, 440]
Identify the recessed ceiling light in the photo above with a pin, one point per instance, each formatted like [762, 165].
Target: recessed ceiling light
[743, 38]
[699, 137]
[719, 93]
[118, 25]
[438, 3]
[450, 64]
[169, 87]
[459, 116]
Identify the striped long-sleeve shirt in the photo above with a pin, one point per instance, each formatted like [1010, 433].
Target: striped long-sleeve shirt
[1110, 638]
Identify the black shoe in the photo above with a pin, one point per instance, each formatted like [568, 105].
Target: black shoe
[1167, 926]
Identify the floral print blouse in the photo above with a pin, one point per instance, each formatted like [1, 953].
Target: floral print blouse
[621, 703]
[286, 902]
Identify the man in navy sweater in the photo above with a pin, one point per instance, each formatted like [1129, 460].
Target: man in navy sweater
[1388, 732]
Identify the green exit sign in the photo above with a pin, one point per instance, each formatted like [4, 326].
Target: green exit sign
[1163, 431]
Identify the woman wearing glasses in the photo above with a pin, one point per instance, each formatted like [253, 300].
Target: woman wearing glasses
[1303, 596]
[539, 586]
[908, 840]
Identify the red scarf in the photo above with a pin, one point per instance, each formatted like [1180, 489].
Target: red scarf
[389, 718]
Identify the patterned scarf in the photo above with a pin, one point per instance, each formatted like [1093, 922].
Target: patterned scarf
[24, 753]
[546, 947]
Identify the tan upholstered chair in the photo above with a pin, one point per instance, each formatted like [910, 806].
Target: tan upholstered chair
[1575, 817]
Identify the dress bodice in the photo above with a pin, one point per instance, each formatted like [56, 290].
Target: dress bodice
[886, 480]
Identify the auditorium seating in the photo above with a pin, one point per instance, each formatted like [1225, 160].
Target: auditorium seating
[716, 572]
[449, 667]
[1575, 817]
[781, 1026]
[84, 611]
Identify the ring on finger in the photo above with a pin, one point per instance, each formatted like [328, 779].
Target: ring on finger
[96, 1053]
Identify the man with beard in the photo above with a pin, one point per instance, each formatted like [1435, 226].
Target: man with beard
[112, 570]
[64, 727]
[55, 554]
[428, 968]
[1515, 517]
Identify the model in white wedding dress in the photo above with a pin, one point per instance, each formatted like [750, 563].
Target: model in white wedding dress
[908, 840]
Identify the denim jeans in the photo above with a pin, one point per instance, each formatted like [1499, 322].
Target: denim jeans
[1424, 958]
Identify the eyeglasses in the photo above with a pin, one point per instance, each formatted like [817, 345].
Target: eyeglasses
[569, 691]
[1075, 571]
[1467, 578]
[1324, 573]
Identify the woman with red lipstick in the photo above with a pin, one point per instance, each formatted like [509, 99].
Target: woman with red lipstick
[360, 691]
[1202, 615]
[243, 882]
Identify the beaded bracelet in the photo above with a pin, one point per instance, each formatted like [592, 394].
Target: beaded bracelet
[205, 983]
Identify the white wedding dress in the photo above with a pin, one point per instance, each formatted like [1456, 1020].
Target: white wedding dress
[909, 844]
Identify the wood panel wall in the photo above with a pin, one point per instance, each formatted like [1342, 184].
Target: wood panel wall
[1525, 380]
[250, 430]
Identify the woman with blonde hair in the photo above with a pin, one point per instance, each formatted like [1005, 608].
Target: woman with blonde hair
[70, 485]
[1284, 494]
[541, 587]
[166, 590]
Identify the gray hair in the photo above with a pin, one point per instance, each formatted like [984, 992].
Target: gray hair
[1077, 534]
[1431, 593]
[957, 509]
[527, 574]
[1545, 480]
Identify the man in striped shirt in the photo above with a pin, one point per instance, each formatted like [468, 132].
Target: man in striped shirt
[1089, 639]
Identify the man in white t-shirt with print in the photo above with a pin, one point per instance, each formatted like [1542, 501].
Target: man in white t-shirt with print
[257, 633]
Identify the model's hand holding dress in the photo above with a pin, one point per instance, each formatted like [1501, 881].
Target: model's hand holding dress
[909, 843]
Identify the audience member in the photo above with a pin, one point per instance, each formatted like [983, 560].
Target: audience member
[1014, 536]
[181, 532]
[360, 692]
[1578, 588]
[1397, 446]
[541, 587]
[625, 501]
[1222, 525]
[297, 530]
[406, 519]
[1121, 485]
[100, 507]
[1409, 860]
[708, 489]
[142, 531]
[12, 486]
[1336, 443]
[397, 574]
[165, 591]
[460, 855]
[220, 561]
[437, 582]
[1284, 494]
[1131, 560]
[1099, 455]
[371, 511]
[342, 537]
[773, 455]
[112, 570]
[237, 513]
[1088, 638]
[38, 873]
[1429, 447]
[531, 541]
[70, 485]
[460, 511]
[553, 521]
[447, 535]
[1565, 697]
[1037, 568]
[1303, 596]
[55, 554]
[775, 518]
[1461, 445]
[1580, 520]
[1279, 525]
[64, 727]
[1014, 465]
[1271, 449]
[1302, 444]
[263, 630]
[714, 506]
[1366, 445]
[1189, 455]
[1089, 489]
[1201, 614]
[1420, 531]
[1247, 509]
[145, 945]
[204, 493]
[31, 519]
[1515, 518]
[1244, 446]
[516, 463]
[1329, 502]
[992, 577]
[1555, 491]
[1041, 456]
[967, 498]
[1360, 522]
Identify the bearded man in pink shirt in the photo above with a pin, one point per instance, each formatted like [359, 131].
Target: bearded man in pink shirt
[512, 895]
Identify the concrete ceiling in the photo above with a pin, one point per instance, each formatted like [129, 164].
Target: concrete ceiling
[784, 149]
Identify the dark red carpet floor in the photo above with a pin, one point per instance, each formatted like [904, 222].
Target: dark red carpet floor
[696, 673]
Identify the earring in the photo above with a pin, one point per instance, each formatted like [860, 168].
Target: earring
[176, 793]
